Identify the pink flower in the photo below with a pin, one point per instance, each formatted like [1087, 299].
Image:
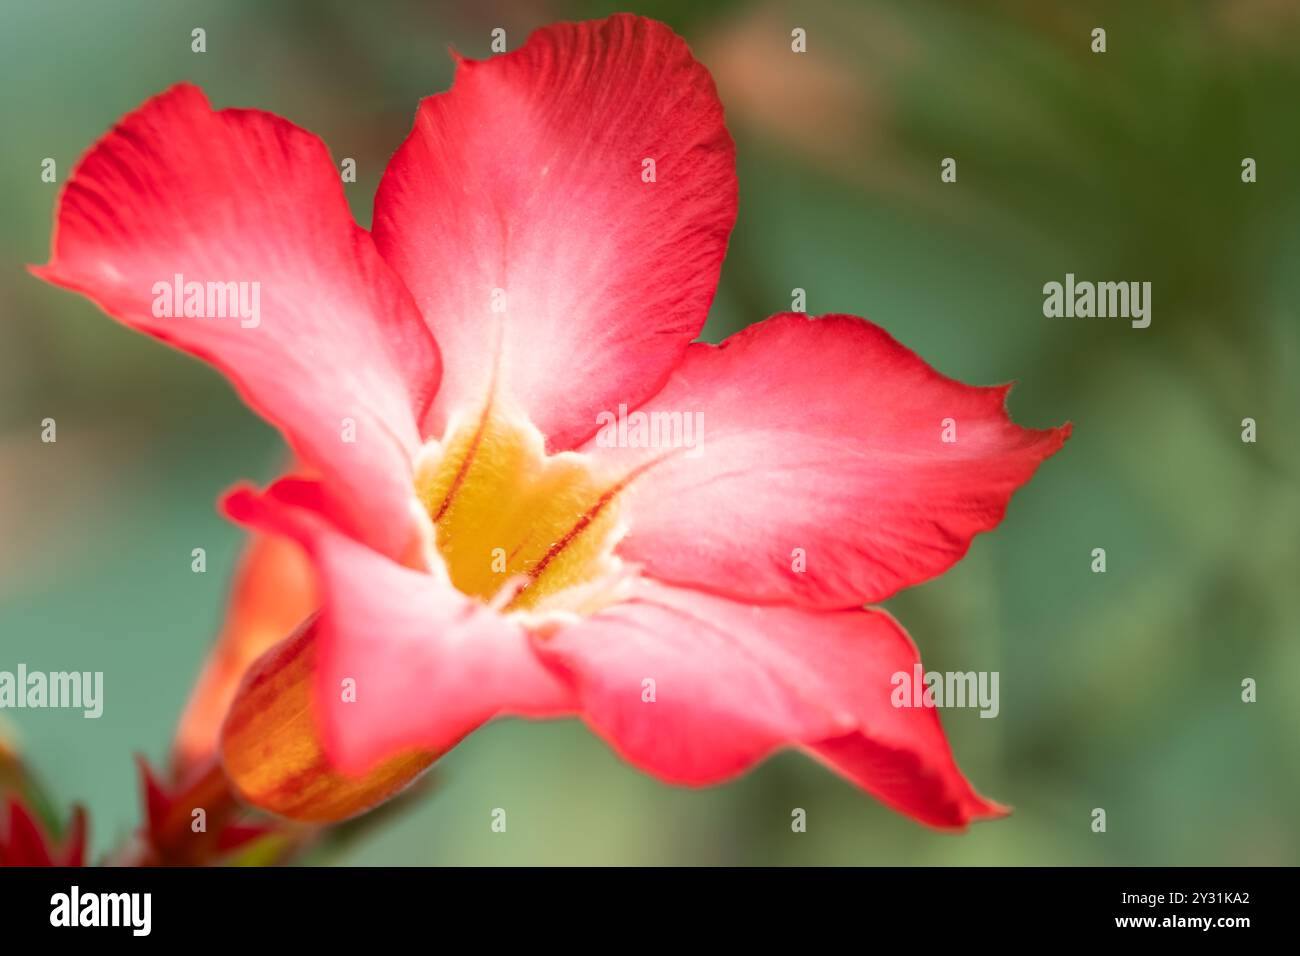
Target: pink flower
[494, 530]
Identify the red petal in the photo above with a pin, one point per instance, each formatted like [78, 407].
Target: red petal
[821, 436]
[901, 779]
[244, 196]
[733, 682]
[427, 663]
[527, 177]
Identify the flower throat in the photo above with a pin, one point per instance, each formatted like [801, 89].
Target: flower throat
[509, 516]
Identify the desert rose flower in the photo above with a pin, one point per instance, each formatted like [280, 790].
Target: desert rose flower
[493, 529]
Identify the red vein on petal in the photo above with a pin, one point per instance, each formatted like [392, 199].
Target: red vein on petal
[467, 462]
[584, 521]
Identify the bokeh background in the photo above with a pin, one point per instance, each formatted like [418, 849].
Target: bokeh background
[1119, 690]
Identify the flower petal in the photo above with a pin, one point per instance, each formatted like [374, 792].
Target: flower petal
[427, 664]
[527, 177]
[272, 750]
[241, 196]
[901, 779]
[734, 682]
[273, 592]
[820, 474]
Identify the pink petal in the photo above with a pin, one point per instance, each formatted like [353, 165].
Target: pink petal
[902, 779]
[527, 177]
[429, 664]
[823, 435]
[244, 196]
[734, 682]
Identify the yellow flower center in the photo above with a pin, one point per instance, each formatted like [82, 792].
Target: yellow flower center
[517, 527]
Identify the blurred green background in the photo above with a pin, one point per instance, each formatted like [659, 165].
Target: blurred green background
[1119, 690]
